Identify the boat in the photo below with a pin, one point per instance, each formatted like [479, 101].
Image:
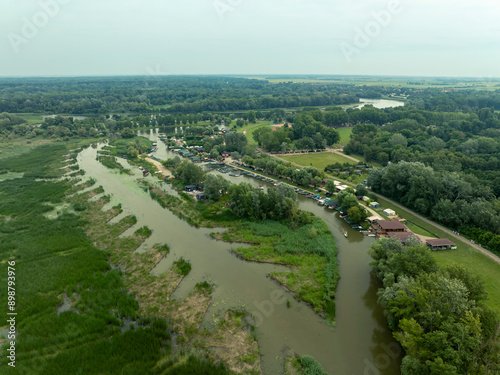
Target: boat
[345, 234]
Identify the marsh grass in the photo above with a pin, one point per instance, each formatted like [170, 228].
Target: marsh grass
[310, 251]
[56, 258]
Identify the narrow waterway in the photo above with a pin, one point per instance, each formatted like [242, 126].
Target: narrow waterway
[359, 344]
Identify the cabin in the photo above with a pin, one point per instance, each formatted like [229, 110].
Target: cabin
[440, 244]
[383, 227]
[200, 196]
[389, 212]
[190, 188]
[374, 205]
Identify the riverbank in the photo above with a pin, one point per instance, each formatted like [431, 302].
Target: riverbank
[303, 249]
[154, 293]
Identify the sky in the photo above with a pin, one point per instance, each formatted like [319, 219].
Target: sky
[458, 38]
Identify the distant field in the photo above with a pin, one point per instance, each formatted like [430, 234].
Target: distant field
[345, 135]
[464, 255]
[413, 82]
[319, 160]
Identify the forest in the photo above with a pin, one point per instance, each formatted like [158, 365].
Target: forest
[438, 315]
[165, 94]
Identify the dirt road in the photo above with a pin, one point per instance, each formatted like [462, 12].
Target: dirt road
[160, 166]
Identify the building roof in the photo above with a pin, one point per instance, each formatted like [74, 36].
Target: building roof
[391, 224]
[439, 242]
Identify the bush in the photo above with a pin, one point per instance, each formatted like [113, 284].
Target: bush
[183, 266]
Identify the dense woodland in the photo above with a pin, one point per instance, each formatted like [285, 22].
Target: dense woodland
[438, 315]
[168, 94]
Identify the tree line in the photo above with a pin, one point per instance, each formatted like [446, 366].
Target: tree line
[450, 198]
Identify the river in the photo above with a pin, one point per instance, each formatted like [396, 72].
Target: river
[359, 344]
[379, 103]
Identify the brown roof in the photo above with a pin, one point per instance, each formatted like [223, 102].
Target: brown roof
[391, 224]
[439, 242]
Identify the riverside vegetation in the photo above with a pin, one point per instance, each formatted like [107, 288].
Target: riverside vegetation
[438, 315]
[272, 224]
[76, 291]
[66, 285]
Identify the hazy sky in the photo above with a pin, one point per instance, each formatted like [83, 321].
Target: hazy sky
[368, 37]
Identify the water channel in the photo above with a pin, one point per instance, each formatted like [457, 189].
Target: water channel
[360, 343]
[379, 103]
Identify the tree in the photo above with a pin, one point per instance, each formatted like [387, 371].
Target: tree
[361, 190]
[215, 186]
[347, 200]
[357, 214]
[189, 173]
[317, 181]
[330, 187]
[302, 177]
[127, 133]
[251, 117]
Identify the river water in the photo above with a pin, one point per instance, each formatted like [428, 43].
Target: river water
[380, 103]
[360, 343]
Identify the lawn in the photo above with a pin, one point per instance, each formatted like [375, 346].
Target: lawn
[345, 135]
[250, 128]
[319, 160]
[464, 255]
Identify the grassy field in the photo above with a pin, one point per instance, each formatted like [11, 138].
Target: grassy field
[345, 135]
[418, 229]
[250, 128]
[32, 119]
[18, 147]
[412, 82]
[464, 255]
[319, 160]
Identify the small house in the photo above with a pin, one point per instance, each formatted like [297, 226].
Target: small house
[374, 205]
[190, 188]
[365, 198]
[384, 227]
[200, 196]
[389, 212]
[440, 244]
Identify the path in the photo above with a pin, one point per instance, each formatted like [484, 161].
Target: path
[336, 151]
[160, 166]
